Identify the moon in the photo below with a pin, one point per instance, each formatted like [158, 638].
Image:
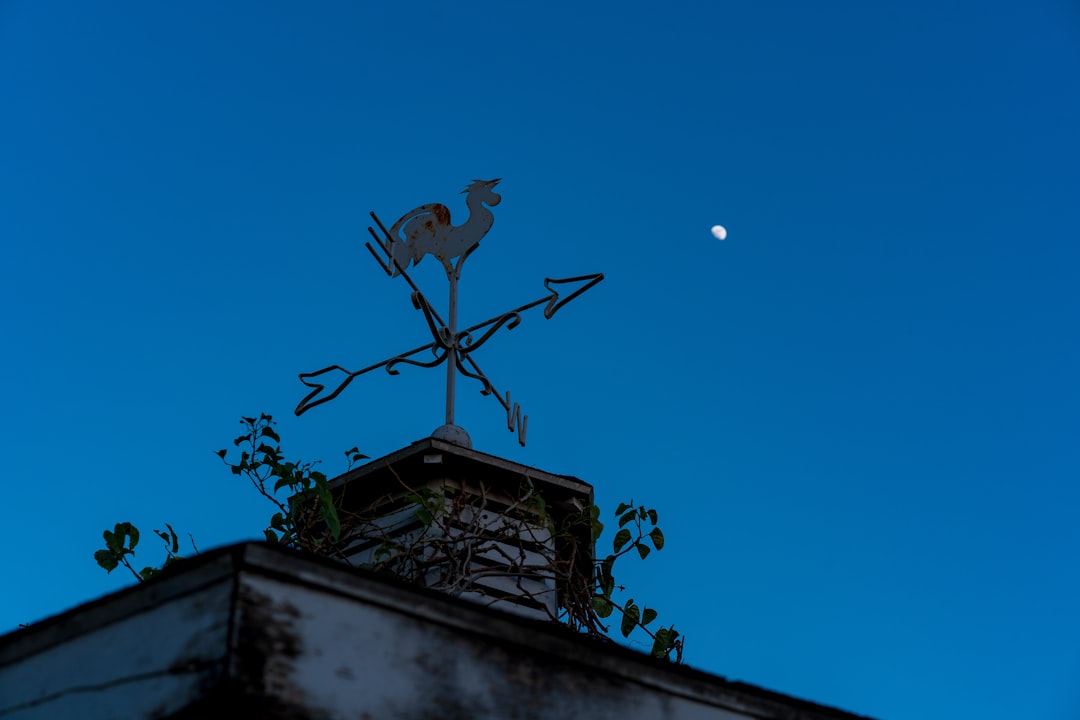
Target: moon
[719, 232]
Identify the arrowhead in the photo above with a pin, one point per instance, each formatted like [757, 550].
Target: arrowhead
[310, 400]
[576, 286]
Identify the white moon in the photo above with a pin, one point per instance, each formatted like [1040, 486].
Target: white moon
[719, 232]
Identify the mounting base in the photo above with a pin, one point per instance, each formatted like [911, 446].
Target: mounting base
[453, 434]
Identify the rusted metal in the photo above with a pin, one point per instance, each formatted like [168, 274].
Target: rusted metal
[427, 230]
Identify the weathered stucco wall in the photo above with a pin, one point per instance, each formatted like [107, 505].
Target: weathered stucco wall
[135, 655]
[345, 660]
[256, 631]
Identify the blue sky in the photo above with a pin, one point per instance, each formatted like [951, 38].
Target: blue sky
[857, 415]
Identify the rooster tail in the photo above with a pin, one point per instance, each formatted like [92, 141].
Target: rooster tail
[399, 256]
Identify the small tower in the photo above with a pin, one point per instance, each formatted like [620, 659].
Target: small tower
[438, 513]
[469, 524]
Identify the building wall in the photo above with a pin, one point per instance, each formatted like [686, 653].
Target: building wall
[259, 631]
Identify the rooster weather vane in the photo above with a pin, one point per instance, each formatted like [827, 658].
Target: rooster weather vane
[427, 230]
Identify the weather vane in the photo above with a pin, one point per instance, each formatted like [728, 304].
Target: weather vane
[427, 230]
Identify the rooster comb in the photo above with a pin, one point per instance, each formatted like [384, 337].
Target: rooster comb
[477, 184]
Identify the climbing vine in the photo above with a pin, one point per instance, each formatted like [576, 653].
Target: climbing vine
[433, 536]
[120, 543]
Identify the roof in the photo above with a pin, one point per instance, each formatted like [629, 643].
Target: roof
[431, 457]
[261, 626]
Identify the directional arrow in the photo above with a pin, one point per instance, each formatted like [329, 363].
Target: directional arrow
[463, 342]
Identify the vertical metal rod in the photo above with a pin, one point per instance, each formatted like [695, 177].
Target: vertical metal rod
[451, 353]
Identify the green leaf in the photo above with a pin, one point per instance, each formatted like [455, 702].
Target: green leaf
[607, 581]
[424, 516]
[355, 455]
[652, 516]
[330, 516]
[627, 517]
[286, 480]
[334, 523]
[541, 506]
[643, 550]
[665, 640]
[148, 572]
[647, 616]
[594, 520]
[602, 606]
[630, 618]
[623, 507]
[172, 543]
[621, 538]
[121, 532]
[133, 535]
[270, 433]
[270, 536]
[657, 538]
[277, 521]
[106, 559]
[221, 454]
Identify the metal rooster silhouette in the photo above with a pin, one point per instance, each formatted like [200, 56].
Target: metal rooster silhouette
[427, 229]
